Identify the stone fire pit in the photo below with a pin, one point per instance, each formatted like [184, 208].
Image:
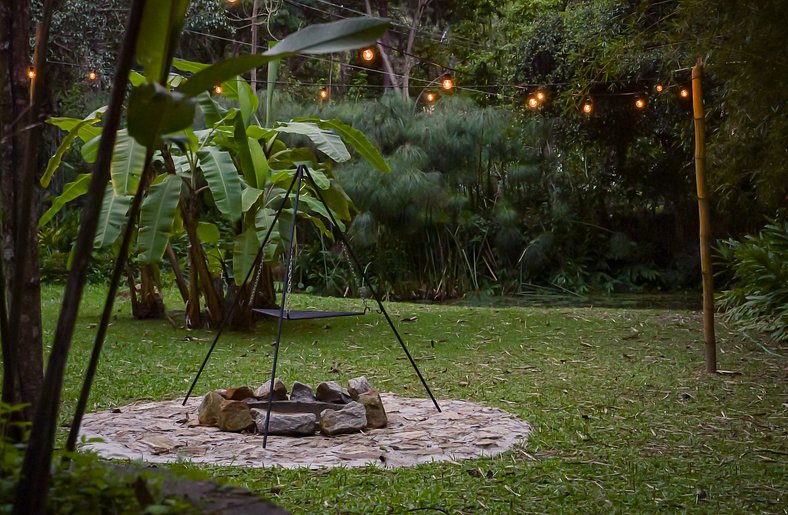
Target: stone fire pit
[330, 409]
[167, 432]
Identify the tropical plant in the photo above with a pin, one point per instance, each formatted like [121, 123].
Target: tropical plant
[233, 169]
[757, 298]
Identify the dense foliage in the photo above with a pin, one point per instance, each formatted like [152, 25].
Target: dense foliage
[758, 296]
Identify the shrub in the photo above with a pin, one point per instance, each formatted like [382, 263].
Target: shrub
[758, 297]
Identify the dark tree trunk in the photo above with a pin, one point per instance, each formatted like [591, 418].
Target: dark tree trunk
[23, 358]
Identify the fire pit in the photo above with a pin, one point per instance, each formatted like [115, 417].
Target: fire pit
[330, 409]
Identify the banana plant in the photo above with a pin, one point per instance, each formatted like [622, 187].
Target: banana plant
[233, 167]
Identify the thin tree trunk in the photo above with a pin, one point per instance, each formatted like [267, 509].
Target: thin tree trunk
[201, 273]
[34, 480]
[176, 269]
[21, 104]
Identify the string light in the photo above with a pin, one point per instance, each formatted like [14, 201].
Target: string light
[31, 73]
[368, 54]
[533, 103]
[217, 89]
[447, 83]
[540, 96]
[92, 75]
[684, 93]
[640, 103]
[323, 93]
[430, 97]
[588, 107]
[659, 88]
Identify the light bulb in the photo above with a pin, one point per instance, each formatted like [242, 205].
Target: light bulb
[368, 54]
[540, 95]
[684, 93]
[533, 103]
[447, 83]
[659, 88]
[640, 103]
[92, 75]
[323, 93]
[430, 97]
[588, 107]
[218, 90]
[31, 73]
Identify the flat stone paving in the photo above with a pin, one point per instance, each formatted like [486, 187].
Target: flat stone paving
[166, 432]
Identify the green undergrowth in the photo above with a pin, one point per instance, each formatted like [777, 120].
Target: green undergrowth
[625, 419]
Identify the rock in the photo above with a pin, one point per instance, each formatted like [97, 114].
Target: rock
[238, 394]
[330, 391]
[235, 416]
[350, 419]
[302, 392]
[376, 414]
[286, 424]
[208, 414]
[280, 390]
[357, 386]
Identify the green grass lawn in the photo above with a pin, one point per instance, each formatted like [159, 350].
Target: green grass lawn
[625, 419]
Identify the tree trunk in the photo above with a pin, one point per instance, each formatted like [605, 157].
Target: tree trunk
[19, 132]
[199, 269]
[150, 304]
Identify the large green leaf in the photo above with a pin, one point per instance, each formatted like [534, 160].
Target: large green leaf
[71, 191]
[262, 170]
[326, 141]
[247, 100]
[223, 180]
[65, 145]
[315, 206]
[162, 22]
[208, 233]
[244, 252]
[89, 150]
[355, 138]
[128, 160]
[210, 109]
[337, 36]
[112, 219]
[154, 111]
[156, 219]
[337, 200]
[249, 197]
[317, 39]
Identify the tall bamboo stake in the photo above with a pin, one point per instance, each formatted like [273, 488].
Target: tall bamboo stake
[705, 220]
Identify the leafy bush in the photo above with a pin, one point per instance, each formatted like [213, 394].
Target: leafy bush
[758, 298]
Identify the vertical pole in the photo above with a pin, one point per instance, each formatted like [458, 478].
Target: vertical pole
[705, 220]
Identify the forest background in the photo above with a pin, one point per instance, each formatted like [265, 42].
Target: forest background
[489, 195]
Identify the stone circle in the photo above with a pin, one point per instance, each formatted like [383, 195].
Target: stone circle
[167, 432]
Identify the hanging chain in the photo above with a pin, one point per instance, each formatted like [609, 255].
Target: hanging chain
[288, 300]
[362, 289]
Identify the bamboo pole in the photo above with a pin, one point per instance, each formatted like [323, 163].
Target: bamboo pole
[704, 219]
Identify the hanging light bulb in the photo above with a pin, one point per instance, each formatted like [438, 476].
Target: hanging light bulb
[430, 97]
[588, 107]
[447, 83]
[368, 54]
[92, 75]
[533, 103]
[659, 88]
[540, 95]
[218, 89]
[323, 93]
[640, 103]
[684, 93]
[31, 73]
